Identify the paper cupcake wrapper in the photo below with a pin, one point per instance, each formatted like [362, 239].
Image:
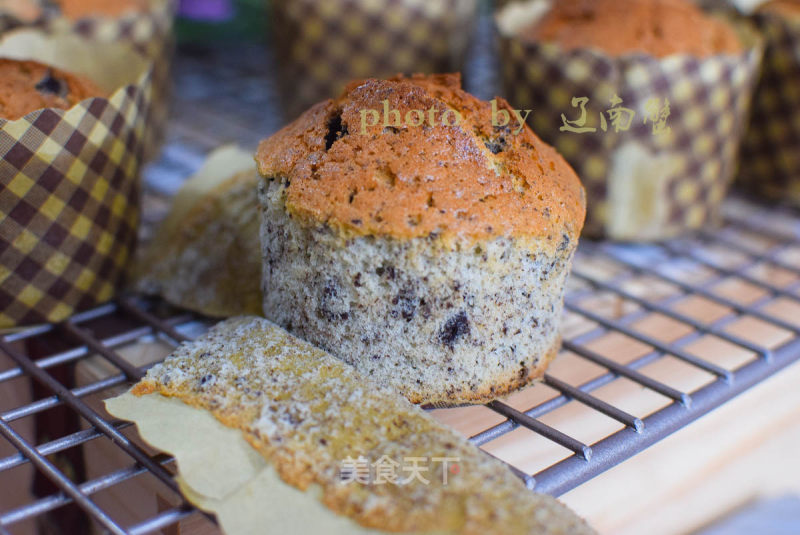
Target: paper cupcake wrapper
[770, 156]
[149, 33]
[670, 169]
[69, 183]
[320, 46]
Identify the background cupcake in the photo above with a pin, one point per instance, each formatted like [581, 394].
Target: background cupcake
[71, 143]
[645, 98]
[770, 163]
[144, 25]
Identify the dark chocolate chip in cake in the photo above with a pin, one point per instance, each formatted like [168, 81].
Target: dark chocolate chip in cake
[50, 85]
[496, 146]
[456, 327]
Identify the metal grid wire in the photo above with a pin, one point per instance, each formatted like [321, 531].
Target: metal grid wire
[754, 248]
[62, 460]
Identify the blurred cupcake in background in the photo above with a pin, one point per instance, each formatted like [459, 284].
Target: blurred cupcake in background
[770, 162]
[79, 9]
[72, 136]
[647, 99]
[320, 46]
[144, 25]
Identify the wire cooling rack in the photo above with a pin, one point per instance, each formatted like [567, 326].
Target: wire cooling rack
[654, 337]
[722, 306]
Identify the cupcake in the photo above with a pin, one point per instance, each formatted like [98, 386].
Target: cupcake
[770, 162]
[144, 25]
[421, 235]
[647, 99]
[71, 144]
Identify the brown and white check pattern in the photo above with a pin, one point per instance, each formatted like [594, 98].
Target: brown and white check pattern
[770, 163]
[708, 103]
[149, 33]
[69, 204]
[320, 46]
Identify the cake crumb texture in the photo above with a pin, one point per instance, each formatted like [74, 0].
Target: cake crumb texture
[306, 412]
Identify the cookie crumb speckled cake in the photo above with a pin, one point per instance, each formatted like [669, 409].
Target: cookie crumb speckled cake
[305, 413]
[432, 258]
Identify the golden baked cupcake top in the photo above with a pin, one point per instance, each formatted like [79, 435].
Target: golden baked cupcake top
[787, 8]
[77, 9]
[26, 86]
[391, 158]
[617, 27]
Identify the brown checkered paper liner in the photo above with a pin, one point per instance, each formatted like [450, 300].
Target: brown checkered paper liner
[770, 156]
[69, 183]
[640, 185]
[320, 46]
[148, 32]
